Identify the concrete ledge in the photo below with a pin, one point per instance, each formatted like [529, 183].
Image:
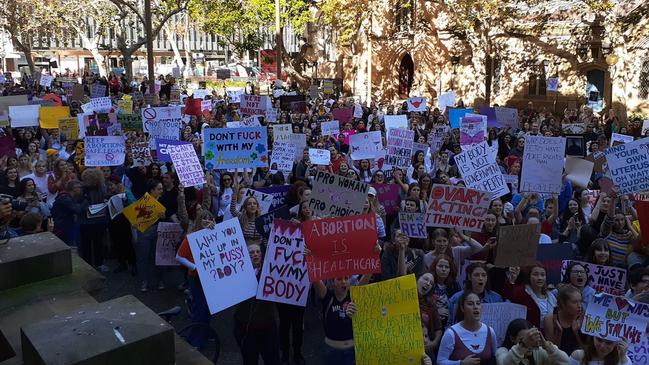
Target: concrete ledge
[32, 258]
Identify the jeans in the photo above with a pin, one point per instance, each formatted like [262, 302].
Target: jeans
[334, 356]
[145, 255]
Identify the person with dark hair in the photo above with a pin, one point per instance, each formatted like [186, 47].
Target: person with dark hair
[67, 206]
[532, 293]
[444, 272]
[524, 344]
[599, 351]
[599, 252]
[577, 277]
[638, 282]
[469, 341]
[145, 243]
[94, 219]
[476, 282]
[620, 234]
[563, 325]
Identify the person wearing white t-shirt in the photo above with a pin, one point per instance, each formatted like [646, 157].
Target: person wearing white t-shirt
[40, 179]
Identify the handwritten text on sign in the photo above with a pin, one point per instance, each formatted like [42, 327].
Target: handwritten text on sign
[223, 265]
[284, 275]
[615, 318]
[456, 206]
[400, 143]
[235, 148]
[412, 224]
[629, 166]
[341, 246]
[104, 151]
[334, 195]
[169, 237]
[609, 279]
[543, 164]
[188, 167]
[480, 171]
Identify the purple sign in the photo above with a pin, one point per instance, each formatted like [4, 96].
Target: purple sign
[491, 116]
[388, 195]
[161, 148]
[279, 193]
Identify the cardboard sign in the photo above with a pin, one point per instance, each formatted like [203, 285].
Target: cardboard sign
[187, 165]
[517, 245]
[24, 115]
[367, 145]
[499, 315]
[615, 318]
[229, 149]
[628, 166]
[169, 237]
[264, 223]
[543, 160]
[456, 206]
[144, 213]
[416, 104]
[334, 195]
[507, 117]
[264, 200]
[254, 104]
[331, 128]
[413, 224]
[223, 265]
[473, 130]
[400, 147]
[319, 156]
[578, 171]
[389, 196]
[141, 153]
[480, 171]
[101, 105]
[551, 256]
[341, 246]
[50, 115]
[104, 151]
[602, 278]
[387, 324]
[284, 275]
[163, 146]
[282, 157]
[454, 116]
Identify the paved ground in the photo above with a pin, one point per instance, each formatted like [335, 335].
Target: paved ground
[124, 283]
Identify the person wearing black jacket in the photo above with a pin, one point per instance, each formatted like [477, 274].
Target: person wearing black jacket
[67, 206]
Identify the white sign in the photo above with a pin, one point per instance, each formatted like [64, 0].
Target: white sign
[358, 111]
[417, 104]
[282, 157]
[264, 200]
[24, 115]
[620, 139]
[104, 150]
[223, 265]
[162, 122]
[446, 100]
[543, 160]
[499, 315]
[200, 93]
[367, 145]
[480, 171]
[46, 80]
[103, 104]
[234, 95]
[187, 165]
[319, 156]
[254, 104]
[628, 166]
[270, 115]
[331, 128]
[206, 105]
[282, 132]
[395, 121]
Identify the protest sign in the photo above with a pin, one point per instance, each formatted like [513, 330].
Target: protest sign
[5, 102]
[130, 122]
[234, 95]
[104, 151]
[328, 86]
[264, 200]
[331, 128]
[230, 149]
[499, 315]
[456, 206]
[162, 122]
[141, 154]
[543, 164]
[395, 121]
[578, 171]
[418, 147]
[492, 122]
[387, 324]
[24, 115]
[454, 116]
[413, 224]
[551, 256]
[645, 128]
[144, 213]
[628, 165]
[319, 156]
[479, 170]
[97, 91]
[639, 352]
[507, 117]
[343, 115]
[473, 130]
[284, 275]
[615, 318]
[101, 105]
[388, 196]
[416, 104]
[46, 80]
[278, 193]
[264, 223]
[358, 111]
[50, 115]
[163, 146]
[399, 150]
[68, 128]
[608, 279]
[517, 245]
[254, 104]
[446, 100]
[282, 157]
[285, 101]
[314, 92]
[334, 195]
[512, 180]
[223, 265]
[169, 237]
[7, 146]
[367, 145]
[206, 105]
[125, 105]
[341, 246]
[282, 132]
[617, 139]
[187, 165]
[436, 137]
[270, 115]
[116, 205]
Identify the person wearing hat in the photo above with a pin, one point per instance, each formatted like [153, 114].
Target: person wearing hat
[375, 204]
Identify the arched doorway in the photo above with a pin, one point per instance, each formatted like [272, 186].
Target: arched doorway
[595, 89]
[406, 76]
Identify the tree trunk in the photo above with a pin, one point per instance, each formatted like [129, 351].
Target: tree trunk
[488, 78]
[128, 63]
[174, 47]
[293, 68]
[30, 60]
[99, 59]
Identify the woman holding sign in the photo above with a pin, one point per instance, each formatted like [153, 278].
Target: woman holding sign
[247, 215]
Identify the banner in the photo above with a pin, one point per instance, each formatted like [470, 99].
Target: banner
[24, 115]
[254, 104]
[284, 275]
[628, 166]
[163, 146]
[341, 246]
[239, 148]
[187, 165]
[144, 212]
[264, 223]
[417, 104]
[367, 145]
[101, 105]
[456, 206]
[499, 315]
[331, 128]
[543, 160]
[602, 278]
[399, 151]
[507, 117]
[389, 196]
[387, 324]
[50, 115]
[223, 265]
[282, 158]
[413, 224]
[141, 154]
[169, 237]
[480, 171]
[473, 130]
[104, 151]
[517, 245]
[334, 195]
[615, 318]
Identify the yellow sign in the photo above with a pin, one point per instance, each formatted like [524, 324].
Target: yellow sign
[144, 213]
[387, 323]
[69, 128]
[50, 115]
[125, 105]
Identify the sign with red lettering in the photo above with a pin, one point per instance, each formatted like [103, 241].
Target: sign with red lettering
[608, 279]
[254, 104]
[284, 275]
[615, 318]
[341, 246]
[457, 206]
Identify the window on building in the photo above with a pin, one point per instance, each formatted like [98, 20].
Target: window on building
[644, 80]
[537, 81]
[404, 15]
